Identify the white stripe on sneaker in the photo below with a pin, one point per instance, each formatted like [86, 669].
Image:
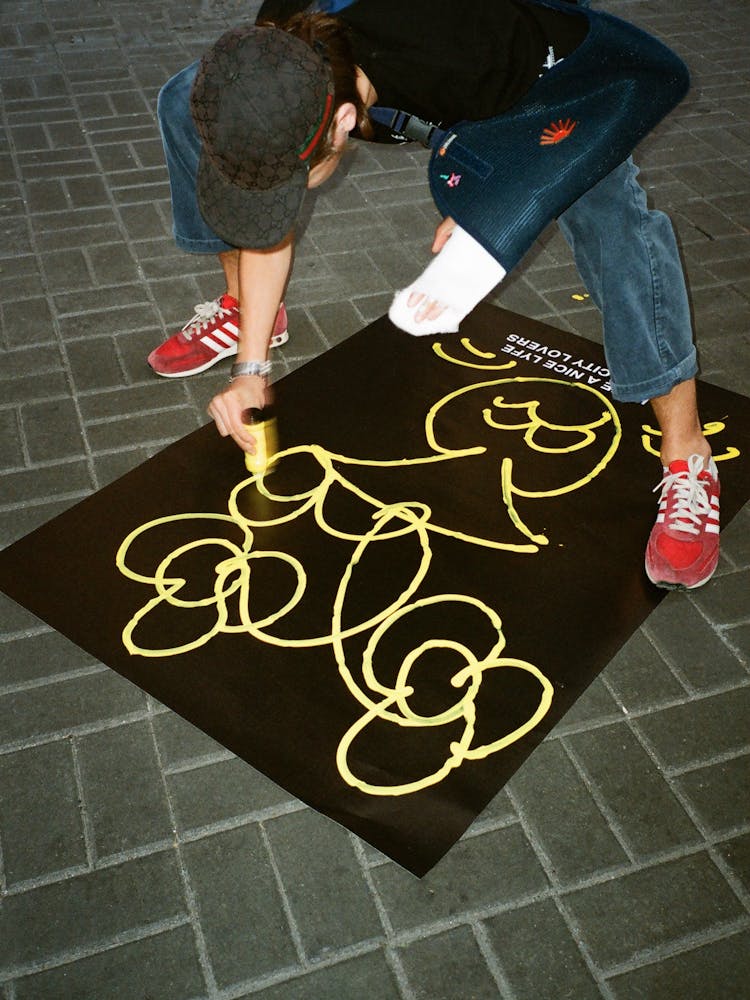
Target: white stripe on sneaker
[212, 345]
[228, 339]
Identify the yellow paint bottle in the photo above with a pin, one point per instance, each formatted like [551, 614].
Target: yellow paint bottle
[262, 425]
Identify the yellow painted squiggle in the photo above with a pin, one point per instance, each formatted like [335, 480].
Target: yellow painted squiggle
[709, 429]
[410, 524]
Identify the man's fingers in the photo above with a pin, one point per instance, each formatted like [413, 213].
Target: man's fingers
[431, 309]
[217, 419]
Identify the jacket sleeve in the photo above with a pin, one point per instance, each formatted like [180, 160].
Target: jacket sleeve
[280, 10]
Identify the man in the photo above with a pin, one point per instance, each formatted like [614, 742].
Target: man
[626, 254]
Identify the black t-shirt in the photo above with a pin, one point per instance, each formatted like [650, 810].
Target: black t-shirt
[447, 62]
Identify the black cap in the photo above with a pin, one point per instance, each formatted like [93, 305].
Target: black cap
[261, 101]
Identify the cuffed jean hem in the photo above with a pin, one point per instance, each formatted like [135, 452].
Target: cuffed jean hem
[641, 392]
[201, 246]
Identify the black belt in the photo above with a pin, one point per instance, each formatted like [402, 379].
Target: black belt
[408, 126]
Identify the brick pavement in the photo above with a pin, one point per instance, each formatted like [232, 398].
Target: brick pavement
[138, 858]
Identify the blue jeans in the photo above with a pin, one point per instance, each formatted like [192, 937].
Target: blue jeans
[628, 260]
[625, 252]
[182, 150]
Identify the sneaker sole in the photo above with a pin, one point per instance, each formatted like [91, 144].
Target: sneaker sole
[669, 585]
[278, 340]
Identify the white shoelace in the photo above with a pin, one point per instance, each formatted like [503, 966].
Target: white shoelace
[205, 312]
[691, 497]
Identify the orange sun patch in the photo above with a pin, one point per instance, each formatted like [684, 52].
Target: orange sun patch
[557, 131]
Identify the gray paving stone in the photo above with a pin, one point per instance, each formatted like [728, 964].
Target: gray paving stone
[719, 794]
[738, 637]
[537, 955]
[30, 374]
[711, 324]
[141, 429]
[30, 484]
[46, 654]
[105, 319]
[16, 241]
[66, 270]
[226, 790]
[323, 882]
[338, 321]
[107, 468]
[595, 706]
[66, 705]
[736, 854]
[372, 307]
[448, 966]
[180, 743]
[52, 430]
[646, 812]
[626, 917]
[499, 812]
[518, 296]
[398, 263]
[11, 448]
[714, 972]
[694, 648]
[89, 910]
[40, 821]
[729, 600]
[77, 237]
[243, 921]
[19, 277]
[47, 196]
[494, 868]
[70, 220]
[79, 302]
[175, 297]
[143, 222]
[94, 364]
[113, 264]
[553, 800]
[639, 676]
[366, 976]
[123, 791]
[27, 321]
[19, 521]
[14, 618]
[121, 401]
[695, 732]
[334, 235]
[164, 967]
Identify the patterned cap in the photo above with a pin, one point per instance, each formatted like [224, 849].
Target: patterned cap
[261, 101]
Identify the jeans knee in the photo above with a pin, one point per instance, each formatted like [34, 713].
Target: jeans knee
[173, 101]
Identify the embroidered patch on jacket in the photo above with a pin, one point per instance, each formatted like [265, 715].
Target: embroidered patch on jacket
[452, 180]
[557, 131]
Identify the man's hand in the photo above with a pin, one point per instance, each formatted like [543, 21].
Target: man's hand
[226, 408]
[443, 233]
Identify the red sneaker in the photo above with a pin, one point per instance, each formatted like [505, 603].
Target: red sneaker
[210, 336]
[683, 548]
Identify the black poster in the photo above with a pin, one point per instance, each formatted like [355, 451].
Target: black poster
[447, 552]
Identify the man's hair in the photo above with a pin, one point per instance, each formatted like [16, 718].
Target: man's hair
[330, 39]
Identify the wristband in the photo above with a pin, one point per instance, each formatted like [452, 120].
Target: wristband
[262, 368]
